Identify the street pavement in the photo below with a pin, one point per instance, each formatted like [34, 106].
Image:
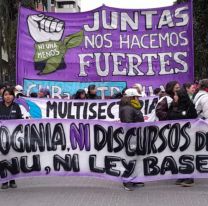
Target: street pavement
[85, 191]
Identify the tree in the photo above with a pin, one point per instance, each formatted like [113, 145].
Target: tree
[4, 28]
[8, 30]
[200, 9]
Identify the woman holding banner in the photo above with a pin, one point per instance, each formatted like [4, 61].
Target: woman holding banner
[182, 108]
[164, 103]
[9, 110]
[201, 99]
[129, 112]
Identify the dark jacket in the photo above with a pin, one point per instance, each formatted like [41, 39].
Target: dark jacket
[92, 96]
[11, 112]
[182, 111]
[161, 109]
[129, 114]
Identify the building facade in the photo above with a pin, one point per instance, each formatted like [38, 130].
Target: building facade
[61, 6]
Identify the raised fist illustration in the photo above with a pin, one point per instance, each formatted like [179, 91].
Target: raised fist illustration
[44, 28]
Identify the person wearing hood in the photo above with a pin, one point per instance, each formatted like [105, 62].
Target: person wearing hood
[140, 90]
[201, 99]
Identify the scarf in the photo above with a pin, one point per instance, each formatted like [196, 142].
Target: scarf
[136, 104]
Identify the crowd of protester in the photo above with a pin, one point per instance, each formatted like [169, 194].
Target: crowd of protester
[188, 101]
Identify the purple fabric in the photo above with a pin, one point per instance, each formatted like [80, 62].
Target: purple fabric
[106, 177]
[75, 23]
[194, 127]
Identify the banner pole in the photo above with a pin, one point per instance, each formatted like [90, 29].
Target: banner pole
[17, 43]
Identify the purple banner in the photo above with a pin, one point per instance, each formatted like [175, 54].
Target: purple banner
[123, 152]
[150, 47]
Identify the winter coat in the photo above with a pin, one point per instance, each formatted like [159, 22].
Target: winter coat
[201, 104]
[181, 111]
[92, 96]
[11, 112]
[130, 113]
[162, 107]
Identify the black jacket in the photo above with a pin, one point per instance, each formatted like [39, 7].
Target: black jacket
[161, 110]
[129, 114]
[180, 111]
[11, 112]
[92, 96]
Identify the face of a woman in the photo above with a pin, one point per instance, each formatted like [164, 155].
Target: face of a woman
[41, 95]
[93, 91]
[8, 98]
[191, 90]
[176, 88]
[82, 96]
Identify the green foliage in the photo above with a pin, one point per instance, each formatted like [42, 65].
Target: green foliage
[200, 37]
[74, 40]
[52, 64]
[28, 4]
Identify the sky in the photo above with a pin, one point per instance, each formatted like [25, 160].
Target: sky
[87, 5]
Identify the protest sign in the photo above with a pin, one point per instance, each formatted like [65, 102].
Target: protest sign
[107, 110]
[109, 47]
[122, 152]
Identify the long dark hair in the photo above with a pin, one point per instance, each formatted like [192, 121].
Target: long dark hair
[78, 94]
[187, 85]
[183, 99]
[169, 88]
[10, 91]
[91, 87]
